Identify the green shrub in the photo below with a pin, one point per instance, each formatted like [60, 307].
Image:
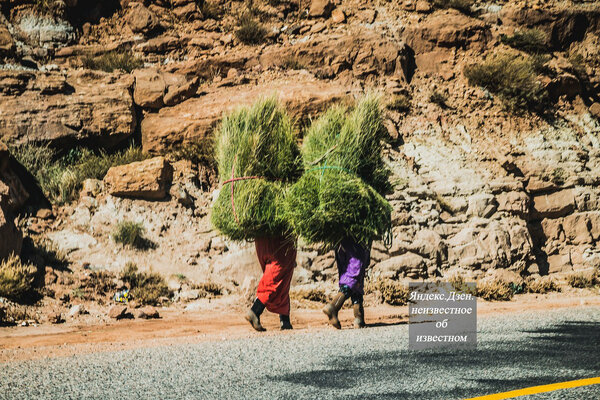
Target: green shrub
[512, 77]
[131, 234]
[16, 278]
[145, 287]
[61, 178]
[463, 6]
[250, 31]
[531, 41]
[400, 103]
[113, 60]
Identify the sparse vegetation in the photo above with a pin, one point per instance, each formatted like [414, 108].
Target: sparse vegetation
[392, 292]
[313, 294]
[578, 65]
[400, 103]
[583, 280]
[438, 98]
[463, 6]
[496, 290]
[250, 31]
[145, 287]
[113, 60]
[532, 41]
[201, 152]
[129, 233]
[293, 63]
[16, 278]
[541, 285]
[61, 178]
[210, 10]
[559, 176]
[209, 289]
[512, 77]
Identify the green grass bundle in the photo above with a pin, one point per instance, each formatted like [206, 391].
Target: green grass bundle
[341, 194]
[255, 142]
[352, 141]
[325, 206]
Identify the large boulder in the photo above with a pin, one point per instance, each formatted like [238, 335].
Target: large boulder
[148, 179]
[554, 205]
[52, 108]
[155, 89]
[39, 30]
[447, 29]
[195, 118]
[140, 19]
[363, 53]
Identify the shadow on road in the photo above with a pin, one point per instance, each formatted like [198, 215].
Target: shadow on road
[566, 351]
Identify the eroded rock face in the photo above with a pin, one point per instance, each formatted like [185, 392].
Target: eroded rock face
[43, 31]
[155, 89]
[81, 106]
[149, 179]
[195, 118]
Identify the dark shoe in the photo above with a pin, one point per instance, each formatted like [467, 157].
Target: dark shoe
[284, 322]
[359, 316]
[254, 321]
[332, 309]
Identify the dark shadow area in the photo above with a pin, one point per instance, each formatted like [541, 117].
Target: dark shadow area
[563, 352]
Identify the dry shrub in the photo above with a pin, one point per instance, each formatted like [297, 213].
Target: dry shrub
[583, 280]
[145, 287]
[113, 60]
[495, 290]
[531, 41]
[439, 98]
[209, 289]
[250, 31]
[131, 234]
[392, 292]
[541, 285]
[513, 78]
[16, 278]
[400, 103]
[463, 6]
[313, 294]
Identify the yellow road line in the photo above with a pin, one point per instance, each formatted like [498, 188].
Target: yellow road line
[539, 389]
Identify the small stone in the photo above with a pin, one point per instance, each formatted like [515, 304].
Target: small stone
[44, 213]
[147, 312]
[53, 318]
[118, 311]
[76, 310]
[595, 110]
[338, 16]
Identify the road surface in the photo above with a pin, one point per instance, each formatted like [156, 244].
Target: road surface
[514, 351]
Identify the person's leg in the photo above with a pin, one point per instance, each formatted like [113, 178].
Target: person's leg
[253, 315]
[285, 323]
[332, 309]
[359, 311]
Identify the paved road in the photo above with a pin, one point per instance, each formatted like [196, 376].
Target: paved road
[533, 349]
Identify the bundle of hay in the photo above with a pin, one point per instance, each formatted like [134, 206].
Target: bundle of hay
[341, 193]
[257, 155]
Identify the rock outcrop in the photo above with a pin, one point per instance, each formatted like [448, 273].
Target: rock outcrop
[196, 118]
[55, 108]
[149, 179]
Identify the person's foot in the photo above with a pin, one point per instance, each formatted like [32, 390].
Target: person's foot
[332, 309]
[254, 321]
[284, 322]
[359, 316]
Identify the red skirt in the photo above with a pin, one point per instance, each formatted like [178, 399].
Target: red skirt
[277, 258]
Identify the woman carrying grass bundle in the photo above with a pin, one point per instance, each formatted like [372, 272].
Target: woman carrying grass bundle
[257, 155]
[339, 200]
